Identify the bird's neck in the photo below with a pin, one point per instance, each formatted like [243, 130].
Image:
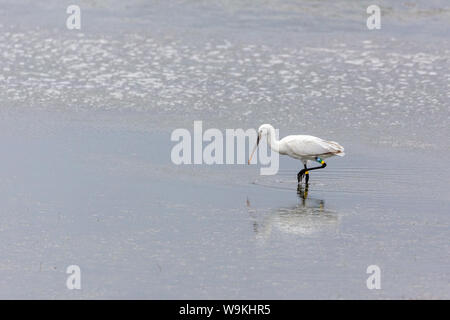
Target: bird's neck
[272, 141]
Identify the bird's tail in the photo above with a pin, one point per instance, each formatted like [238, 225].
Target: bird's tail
[338, 149]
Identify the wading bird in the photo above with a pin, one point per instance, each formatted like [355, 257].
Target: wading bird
[301, 147]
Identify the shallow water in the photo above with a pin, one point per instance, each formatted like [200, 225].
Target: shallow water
[86, 176]
[141, 227]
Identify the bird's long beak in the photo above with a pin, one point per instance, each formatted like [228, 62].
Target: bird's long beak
[254, 149]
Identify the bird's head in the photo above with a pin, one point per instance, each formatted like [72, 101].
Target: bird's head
[263, 130]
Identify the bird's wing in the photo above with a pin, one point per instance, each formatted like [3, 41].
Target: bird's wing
[304, 145]
[334, 147]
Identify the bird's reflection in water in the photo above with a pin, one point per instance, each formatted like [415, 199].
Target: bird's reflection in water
[308, 217]
[309, 203]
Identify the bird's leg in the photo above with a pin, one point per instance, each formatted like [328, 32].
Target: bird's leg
[303, 172]
[300, 177]
[306, 170]
[306, 177]
[303, 193]
[319, 160]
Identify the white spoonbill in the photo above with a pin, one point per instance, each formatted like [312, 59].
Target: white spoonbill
[301, 147]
